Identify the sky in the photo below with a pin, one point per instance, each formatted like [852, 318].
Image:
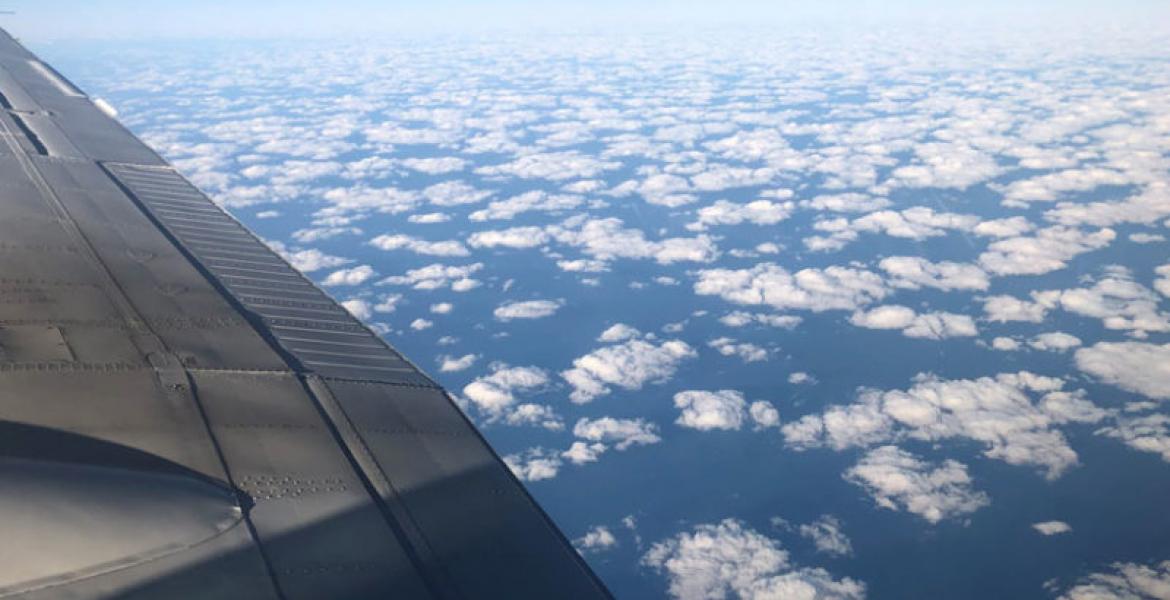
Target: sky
[140, 19]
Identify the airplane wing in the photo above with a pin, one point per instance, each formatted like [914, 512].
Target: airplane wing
[184, 415]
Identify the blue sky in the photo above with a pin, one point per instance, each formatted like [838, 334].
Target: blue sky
[136, 19]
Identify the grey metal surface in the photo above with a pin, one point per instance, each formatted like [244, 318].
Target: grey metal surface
[184, 415]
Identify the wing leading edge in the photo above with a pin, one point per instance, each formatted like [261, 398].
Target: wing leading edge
[184, 415]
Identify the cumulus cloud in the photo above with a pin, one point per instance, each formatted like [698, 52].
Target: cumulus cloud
[995, 412]
[533, 201]
[740, 318]
[619, 332]
[399, 241]
[1051, 527]
[629, 365]
[704, 410]
[436, 166]
[1048, 250]
[747, 352]
[358, 308]
[437, 276]
[764, 414]
[898, 480]
[758, 212]
[914, 272]
[534, 464]
[494, 394]
[1126, 581]
[831, 288]
[514, 237]
[452, 364]
[1049, 187]
[620, 433]
[527, 309]
[454, 193]
[1054, 341]
[553, 166]
[717, 559]
[597, 539]
[827, 536]
[353, 276]
[607, 239]
[915, 223]
[1134, 366]
[1149, 433]
[1148, 207]
[935, 325]
[311, 259]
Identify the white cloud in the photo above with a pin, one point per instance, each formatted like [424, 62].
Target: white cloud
[607, 239]
[1048, 250]
[454, 193]
[740, 318]
[582, 452]
[1162, 283]
[1005, 227]
[758, 212]
[442, 308]
[1049, 187]
[764, 414]
[429, 218]
[436, 166]
[1134, 366]
[848, 202]
[399, 241]
[528, 309]
[718, 559]
[495, 393]
[1007, 308]
[353, 276]
[361, 198]
[388, 303]
[722, 177]
[515, 237]
[312, 259]
[996, 412]
[832, 288]
[629, 365]
[898, 480]
[745, 351]
[360, 309]
[913, 272]
[553, 166]
[436, 276]
[1051, 527]
[935, 325]
[827, 536]
[947, 165]
[1054, 341]
[703, 410]
[535, 464]
[1149, 433]
[621, 433]
[619, 332]
[800, 377]
[421, 324]
[535, 200]
[597, 539]
[1005, 344]
[915, 223]
[1127, 581]
[452, 364]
